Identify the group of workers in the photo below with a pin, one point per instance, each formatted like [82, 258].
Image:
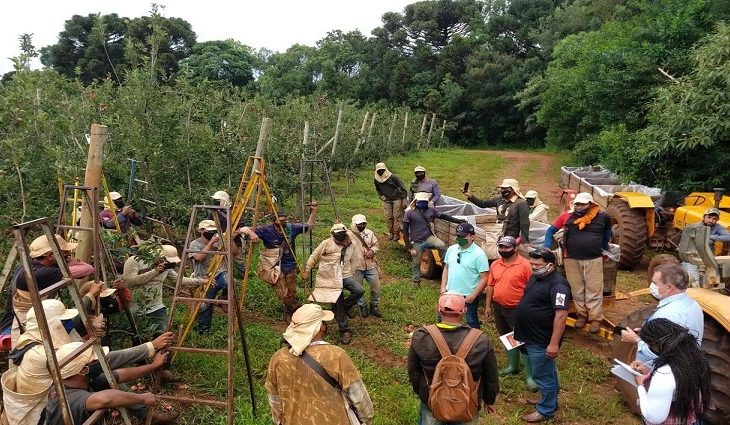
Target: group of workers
[524, 293]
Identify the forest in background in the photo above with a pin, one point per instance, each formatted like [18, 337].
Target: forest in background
[640, 86]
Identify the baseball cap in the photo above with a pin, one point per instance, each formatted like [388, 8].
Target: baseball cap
[221, 195]
[713, 211]
[380, 166]
[531, 194]
[170, 253]
[41, 245]
[115, 195]
[419, 169]
[359, 219]
[338, 227]
[207, 225]
[584, 198]
[507, 241]
[543, 253]
[451, 302]
[422, 196]
[464, 229]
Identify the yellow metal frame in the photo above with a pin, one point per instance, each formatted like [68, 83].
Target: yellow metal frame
[713, 304]
[636, 199]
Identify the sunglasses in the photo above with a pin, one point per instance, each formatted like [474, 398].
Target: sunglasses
[458, 258]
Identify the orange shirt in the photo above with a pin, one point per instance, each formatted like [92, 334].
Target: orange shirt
[509, 280]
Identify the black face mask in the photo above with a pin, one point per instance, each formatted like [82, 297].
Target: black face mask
[507, 254]
[361, 227]
[420, 176]
[530, 201]
[580, 213]
[209, 235]
[339, 236]
[119, 203]
[380, 172]
[506, 193]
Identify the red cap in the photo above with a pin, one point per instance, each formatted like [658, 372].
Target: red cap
[451, 302]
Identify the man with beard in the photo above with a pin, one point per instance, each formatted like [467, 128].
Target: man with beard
[508, 277]
[587, 236]
[336, 259]
[418, 235]
[393, 193]
[126, 215]
[718, 233]
[512, 210]
[422, 184]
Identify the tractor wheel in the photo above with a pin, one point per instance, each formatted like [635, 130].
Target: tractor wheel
[626, 352]
[716, 344]
[429, 269]
[629, 232]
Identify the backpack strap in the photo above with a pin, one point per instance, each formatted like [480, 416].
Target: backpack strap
[439, 340]
[468, 343]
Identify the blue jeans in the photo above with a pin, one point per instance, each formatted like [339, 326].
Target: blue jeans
[472, 314]
[426, 418]
[545, 374]
[371, 275]
[205, 314]
[158, 318]
[419, 247]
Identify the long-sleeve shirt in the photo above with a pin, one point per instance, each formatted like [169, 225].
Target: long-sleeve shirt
[558, 224]
[656, 402]
[718, 233]
[417, 223]
[147, 286]
[423, 356]
[680, 309]
[426, 185]
[392, 188]
[371, 243]
[515, 214]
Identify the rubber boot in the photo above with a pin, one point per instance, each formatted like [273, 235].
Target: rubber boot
[513, 357]
[529, 382]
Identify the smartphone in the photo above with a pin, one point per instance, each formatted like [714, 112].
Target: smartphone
[169, 265]
[466, 187]
[618, 329]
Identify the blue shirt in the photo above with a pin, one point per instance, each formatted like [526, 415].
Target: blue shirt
[271, 238]
[464, 268]
[719, 234]
[680, 309]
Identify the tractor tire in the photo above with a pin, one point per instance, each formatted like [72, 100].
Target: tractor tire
[626, 352]
[716, 345]
[629, 232]
[429, 268]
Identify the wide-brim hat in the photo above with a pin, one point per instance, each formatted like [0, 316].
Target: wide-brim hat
[514, 184]
[304, 325]
[42, 245]
[75, 365]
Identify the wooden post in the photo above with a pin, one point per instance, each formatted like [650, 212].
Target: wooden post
[305, 140]
[92, 178]
[443, 127]
[423, 130]
[392, 127]
[430, 130]
[405, 127]
[372, 124]
[361, 138]
[337, 131]
[263, 141]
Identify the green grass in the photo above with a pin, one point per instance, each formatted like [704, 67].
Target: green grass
[380, 346]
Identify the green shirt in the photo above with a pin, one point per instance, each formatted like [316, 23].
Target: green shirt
[464, 268]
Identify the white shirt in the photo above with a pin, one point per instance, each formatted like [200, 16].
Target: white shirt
[657, 400]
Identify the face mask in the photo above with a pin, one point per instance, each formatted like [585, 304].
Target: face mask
[94, 369]
[654, 290]
[421, 205]
[339, 236]
[209, 235]
[506, 193]
[420, 176]
[540, 272]
[462, 241]
[119, 203]
[507, 254]
[530, 201]
[361, 227]
[380, 172]
[68, 325]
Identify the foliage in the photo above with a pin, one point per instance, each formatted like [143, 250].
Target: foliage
[227, 61]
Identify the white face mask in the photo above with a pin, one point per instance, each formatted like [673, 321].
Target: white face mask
[654, 290]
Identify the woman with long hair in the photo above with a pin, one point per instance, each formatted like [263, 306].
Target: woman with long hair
[676, 391]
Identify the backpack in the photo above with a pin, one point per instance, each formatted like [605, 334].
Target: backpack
[453, 396]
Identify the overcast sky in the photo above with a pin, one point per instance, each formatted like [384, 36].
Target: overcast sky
[274, 24]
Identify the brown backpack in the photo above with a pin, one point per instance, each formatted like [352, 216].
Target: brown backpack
[453, 396]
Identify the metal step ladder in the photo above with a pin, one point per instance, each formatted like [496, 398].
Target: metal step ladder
[37, 295]
[150, 199]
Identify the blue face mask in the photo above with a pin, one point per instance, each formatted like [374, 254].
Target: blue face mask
[68, 325]
[421, 205]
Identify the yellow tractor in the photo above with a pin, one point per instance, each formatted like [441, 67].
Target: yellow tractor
[643, 217]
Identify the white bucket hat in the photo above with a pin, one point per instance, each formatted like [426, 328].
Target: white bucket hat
[584, 198]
